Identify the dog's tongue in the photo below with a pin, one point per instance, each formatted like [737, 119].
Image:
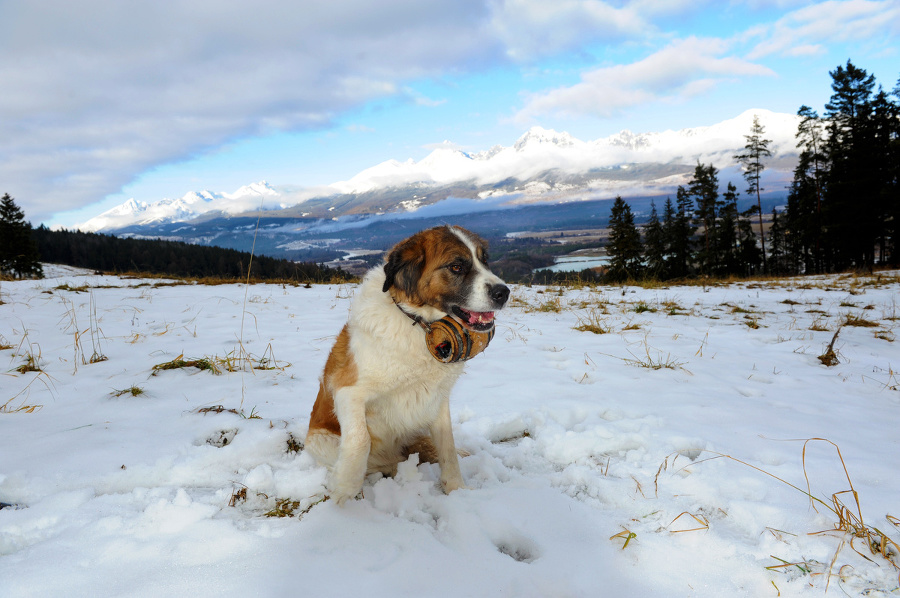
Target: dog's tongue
[480, 317]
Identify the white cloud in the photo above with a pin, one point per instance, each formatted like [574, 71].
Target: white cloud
[98, 91]
[683, 69]
[803, 31]
[420, 99]
[530, 28]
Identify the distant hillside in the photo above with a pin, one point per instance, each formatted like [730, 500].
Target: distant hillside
[108, 253]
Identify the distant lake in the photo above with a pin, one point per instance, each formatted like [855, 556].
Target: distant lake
[577, 263]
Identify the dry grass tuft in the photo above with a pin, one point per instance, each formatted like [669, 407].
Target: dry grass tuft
[294, 445]
[851, 320]
[285, 507]
[203, 364]
[829, 357]
[674, 309]
[885, 335]
[5, 344]
[819, 325]
[216, 409]
[642, 307]
[134, 391]
[653, 359]
[67, 287]
[222, 409]
[593, 321]
[751, 322]
[32, 364]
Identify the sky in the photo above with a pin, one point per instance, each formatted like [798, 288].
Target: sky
[104, 100]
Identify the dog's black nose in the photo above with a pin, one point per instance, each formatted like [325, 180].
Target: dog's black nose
[499, 293]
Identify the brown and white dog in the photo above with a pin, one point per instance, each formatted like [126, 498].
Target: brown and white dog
[383, 396]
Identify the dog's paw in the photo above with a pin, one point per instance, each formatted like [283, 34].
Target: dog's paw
[451, 484]
[340, 493]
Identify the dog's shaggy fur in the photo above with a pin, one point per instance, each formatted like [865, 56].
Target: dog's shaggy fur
[383, 396]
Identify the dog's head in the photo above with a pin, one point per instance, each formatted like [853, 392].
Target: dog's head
[445, 269]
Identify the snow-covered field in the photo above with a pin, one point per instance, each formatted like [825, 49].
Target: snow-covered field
[593, 467]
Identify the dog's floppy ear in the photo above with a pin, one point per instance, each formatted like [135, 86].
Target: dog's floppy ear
[404, 266]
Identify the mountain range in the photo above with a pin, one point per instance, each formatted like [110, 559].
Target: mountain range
[542, 167]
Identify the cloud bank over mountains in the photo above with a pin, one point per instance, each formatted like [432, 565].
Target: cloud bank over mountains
[542, 165]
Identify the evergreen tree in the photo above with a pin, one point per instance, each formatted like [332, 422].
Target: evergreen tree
[668, 236]
[804, 209]
[892, 184]
[779, 261]
[883, 138]
[654, 245]
[749, 254]
[679, 235]
[624, 246]
[704, 189]
[18, 253]
[849, 210]
[726, 236]
[751, 161]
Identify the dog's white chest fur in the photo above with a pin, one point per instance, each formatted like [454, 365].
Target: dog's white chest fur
[404, 381]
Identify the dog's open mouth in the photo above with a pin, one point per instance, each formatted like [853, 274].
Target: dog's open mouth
[481, 321]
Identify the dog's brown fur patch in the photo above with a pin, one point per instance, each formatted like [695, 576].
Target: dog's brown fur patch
[340, 371]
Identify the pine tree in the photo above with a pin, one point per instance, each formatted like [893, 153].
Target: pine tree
[883, 137]
[727, 240]
[755, 150]
[679, 235]
[804, 209]
[704, 189]
[749, 254]
[654, 245]
[849, 214]
[624, 246]
[18, 252]
[668, 236]
[779, 262]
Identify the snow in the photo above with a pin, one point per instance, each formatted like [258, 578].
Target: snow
[573, 445]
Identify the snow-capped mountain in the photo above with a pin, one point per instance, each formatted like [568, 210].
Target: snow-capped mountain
[542, 165]
[540, 150]
[187, 207]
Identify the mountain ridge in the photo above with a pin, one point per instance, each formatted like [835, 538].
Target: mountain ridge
[543, 165]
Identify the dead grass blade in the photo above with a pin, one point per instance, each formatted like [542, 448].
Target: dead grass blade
[703, 521]
[626, 534]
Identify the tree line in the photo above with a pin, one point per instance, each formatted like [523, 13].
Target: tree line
[23, 248]
[843, 205]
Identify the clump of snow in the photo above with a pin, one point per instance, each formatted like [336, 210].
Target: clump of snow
[578, 443]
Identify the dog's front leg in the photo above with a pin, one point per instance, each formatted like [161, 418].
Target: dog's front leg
[350, 469]
[442, 435]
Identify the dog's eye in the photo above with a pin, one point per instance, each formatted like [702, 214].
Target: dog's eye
[455, 268]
